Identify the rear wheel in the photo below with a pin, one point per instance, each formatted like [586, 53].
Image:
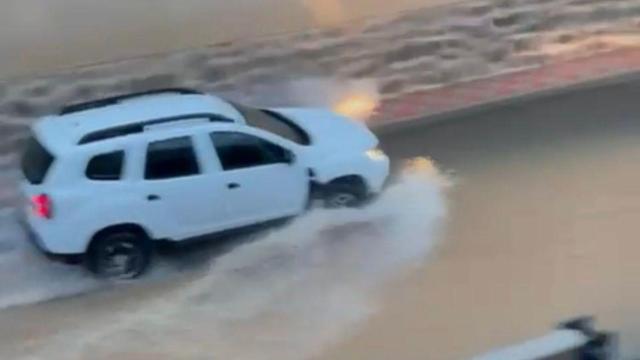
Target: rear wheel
[119, 255]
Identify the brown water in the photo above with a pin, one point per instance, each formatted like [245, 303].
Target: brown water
[43, 35]
[544, 227]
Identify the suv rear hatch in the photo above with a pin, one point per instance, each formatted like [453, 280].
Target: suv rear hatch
[36, 162]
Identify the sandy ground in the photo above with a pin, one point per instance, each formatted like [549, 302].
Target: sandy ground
[42, 35]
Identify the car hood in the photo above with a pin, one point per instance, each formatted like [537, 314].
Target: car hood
[330, 130]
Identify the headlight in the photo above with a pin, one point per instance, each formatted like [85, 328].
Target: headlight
[376, 154]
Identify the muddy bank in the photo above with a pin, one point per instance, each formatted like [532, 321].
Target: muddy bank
[43, 36]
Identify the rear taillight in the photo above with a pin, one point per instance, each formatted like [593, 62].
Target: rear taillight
[42, 206]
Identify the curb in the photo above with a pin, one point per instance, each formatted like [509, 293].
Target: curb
[420, 108]
[432, 119]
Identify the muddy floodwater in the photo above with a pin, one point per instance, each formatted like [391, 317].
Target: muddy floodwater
[544, 227]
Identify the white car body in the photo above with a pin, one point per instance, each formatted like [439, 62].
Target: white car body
[179, 208]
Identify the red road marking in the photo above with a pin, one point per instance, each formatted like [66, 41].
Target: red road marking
[548, 76]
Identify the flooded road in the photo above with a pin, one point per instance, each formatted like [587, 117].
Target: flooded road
[542, 226]
[44, 35]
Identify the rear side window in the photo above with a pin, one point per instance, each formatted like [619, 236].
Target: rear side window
[36, 161]
[106, 167]
[171, 158]
[239, 151]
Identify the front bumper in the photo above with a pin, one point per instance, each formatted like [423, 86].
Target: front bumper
[378, 176]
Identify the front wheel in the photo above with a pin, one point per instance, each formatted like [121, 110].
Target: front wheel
[119, 256]
[338, 196]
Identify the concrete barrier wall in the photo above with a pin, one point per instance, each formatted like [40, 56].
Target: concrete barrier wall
[415, 50]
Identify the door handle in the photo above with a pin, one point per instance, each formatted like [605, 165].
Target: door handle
[153, 197]
[233, 185]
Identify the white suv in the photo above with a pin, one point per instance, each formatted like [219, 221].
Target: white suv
[104, 179]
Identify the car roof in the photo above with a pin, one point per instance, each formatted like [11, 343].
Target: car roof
[68, 129]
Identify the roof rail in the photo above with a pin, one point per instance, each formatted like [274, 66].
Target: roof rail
[136, 128]
[93, 104]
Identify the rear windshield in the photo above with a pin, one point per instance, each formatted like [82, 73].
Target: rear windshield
[36, 161]
[273, 122]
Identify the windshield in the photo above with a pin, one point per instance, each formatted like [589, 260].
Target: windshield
[273, 122]
[36, 161]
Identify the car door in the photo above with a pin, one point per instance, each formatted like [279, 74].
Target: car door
[263, 180]
[181, 200]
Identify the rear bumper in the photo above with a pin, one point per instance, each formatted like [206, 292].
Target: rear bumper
[32, 236]
[36, 240]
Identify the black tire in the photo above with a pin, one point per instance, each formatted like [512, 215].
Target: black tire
[72, 260]
[119, 255]
[344, 195]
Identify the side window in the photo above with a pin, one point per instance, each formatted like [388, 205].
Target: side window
[171, 158]
[106, 167]
[239, 151]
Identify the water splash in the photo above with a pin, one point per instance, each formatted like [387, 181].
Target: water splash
[27, 276]
[287, 296]
[355, 98]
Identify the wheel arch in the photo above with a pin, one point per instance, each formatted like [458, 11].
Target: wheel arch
[352, 179]
[123, 227]
[319, 188]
